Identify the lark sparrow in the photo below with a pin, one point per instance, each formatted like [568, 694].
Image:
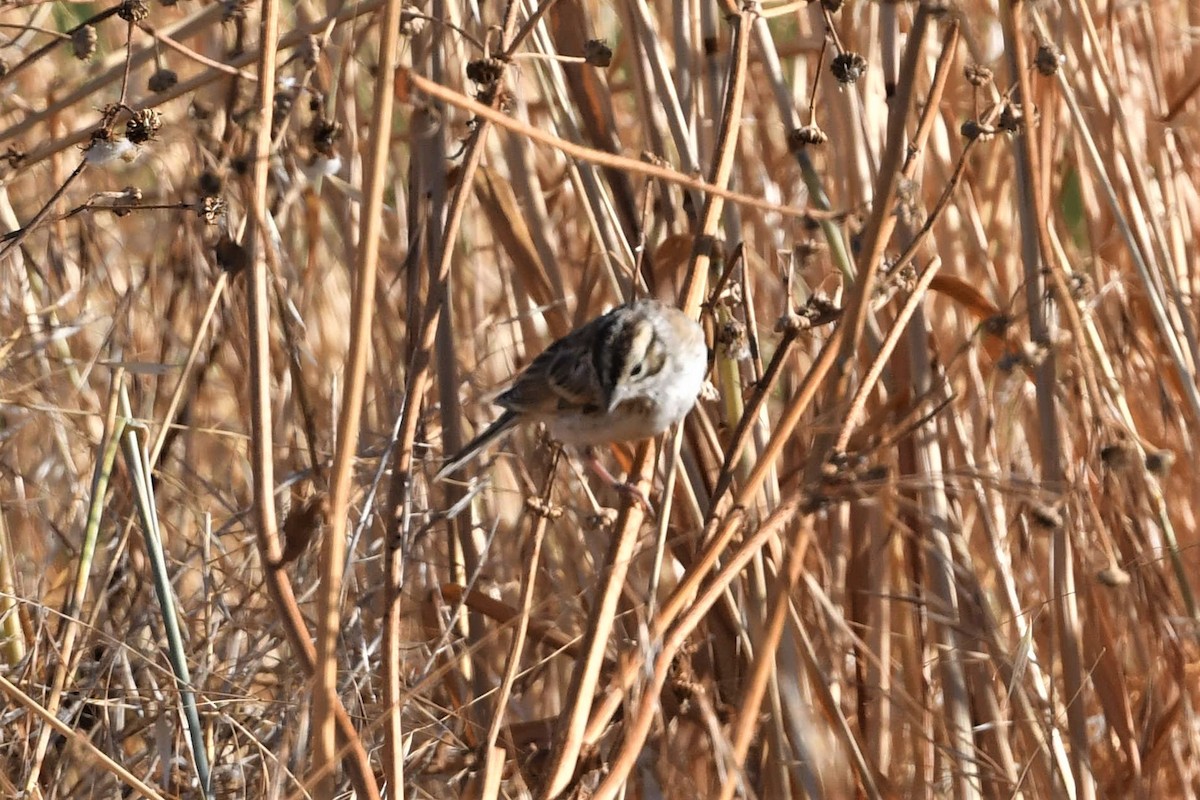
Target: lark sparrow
[626, 375]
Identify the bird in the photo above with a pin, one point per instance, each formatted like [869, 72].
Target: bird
[627, 375]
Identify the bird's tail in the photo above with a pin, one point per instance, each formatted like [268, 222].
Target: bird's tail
[501, 426]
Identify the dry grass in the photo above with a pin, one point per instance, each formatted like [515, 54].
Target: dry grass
[933, 536]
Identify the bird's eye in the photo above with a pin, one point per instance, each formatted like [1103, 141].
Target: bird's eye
[636, 371]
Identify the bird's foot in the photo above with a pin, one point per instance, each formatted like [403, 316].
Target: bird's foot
[630, 490]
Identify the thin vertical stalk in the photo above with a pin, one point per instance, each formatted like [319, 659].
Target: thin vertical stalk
[110, 443]
[12, 635]
[765, 651]
[882, 220]
[139, 473]
[333, 544]
[543, 511]
[258, 309]
[696, 281]
[572, 722]
[1034, 246]
[673, 638]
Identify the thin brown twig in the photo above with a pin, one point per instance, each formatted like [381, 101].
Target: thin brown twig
[202, 18]
[199, 58]
[129, 28]
[1035, 255]
[879, 225]
[257, 241]
[724, 528]
[867, 385]
[44, 212]
[765, 650]
[36, 55]
[543, 512]
[673, 639]
[600, 158]
[333, 544]
[85, 745]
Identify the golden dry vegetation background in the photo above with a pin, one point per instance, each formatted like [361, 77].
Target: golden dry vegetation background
[933, 534]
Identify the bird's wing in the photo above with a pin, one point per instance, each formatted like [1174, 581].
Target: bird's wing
[561, 377]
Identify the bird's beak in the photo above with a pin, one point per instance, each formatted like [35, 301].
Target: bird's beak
[615, 399]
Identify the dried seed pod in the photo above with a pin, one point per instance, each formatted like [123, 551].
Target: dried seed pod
[83, 42]
[1048, 59]
[1116, 456]
[133, 10]
[231, 256]
[597, 53]
[1159, 462]
[974, 129]
[143, 126]
[211, 209]
[485, 71]
[805, 136]
[209, 182]
[732, 340]
[1046, 517]
[848, 67]
[162, 80]
[977, 75]
[412, 21]
[325, 133]
[1012, 118]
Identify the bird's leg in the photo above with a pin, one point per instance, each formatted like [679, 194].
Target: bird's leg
[632, 490]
